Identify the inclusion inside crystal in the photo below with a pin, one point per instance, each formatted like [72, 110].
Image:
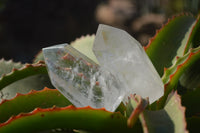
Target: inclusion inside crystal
[81, 80]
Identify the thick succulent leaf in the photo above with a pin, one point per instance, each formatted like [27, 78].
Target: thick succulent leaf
[25, 71]
[8, 66]
[185, 61]
[37, 82]
[163, 47]
[194, 40]
[45, 98]
[11, 72]
[136, 105]
[191, 77]
[173, 74]
[176, 112]
[191, 101]
[170, 119]
[184, 43]
[193, 124]
[94, 120]
[84, 45]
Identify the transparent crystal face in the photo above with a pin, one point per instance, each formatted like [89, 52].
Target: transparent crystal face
[82, 81]
[123, 56]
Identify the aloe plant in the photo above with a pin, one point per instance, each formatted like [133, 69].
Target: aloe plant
[175, 52]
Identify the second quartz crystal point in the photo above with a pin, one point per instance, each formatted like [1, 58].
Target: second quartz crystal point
[123, 56]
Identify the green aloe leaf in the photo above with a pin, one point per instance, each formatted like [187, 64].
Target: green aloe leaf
[84, 45]
[196, 33]
[8, 66]
[70, 117]
[25, 71]
[191, 77]
[163, 47]
[172, 75]
[136, 105]
[45, 98]
[194, 40]
[170, 119]
[23, 78]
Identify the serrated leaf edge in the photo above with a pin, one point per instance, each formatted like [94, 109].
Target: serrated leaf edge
[182, 109]
[80, 38]
[39, 64]
[163, 26]
[168, 78]
[54, 108]
[10, 61]
[29, 93]
[187, 44]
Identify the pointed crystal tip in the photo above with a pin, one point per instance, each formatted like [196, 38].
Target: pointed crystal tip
[124, 57]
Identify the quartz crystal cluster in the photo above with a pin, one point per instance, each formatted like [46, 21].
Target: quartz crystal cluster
[123, 69]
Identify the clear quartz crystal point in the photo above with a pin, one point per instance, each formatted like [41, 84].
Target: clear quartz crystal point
[123, 56]
[81, 80]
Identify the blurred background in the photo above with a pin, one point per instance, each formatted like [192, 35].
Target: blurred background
[26, 26]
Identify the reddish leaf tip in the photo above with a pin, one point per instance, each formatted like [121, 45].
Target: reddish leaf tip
[141, 105]
[177, 57]
[14, 69]
[40, 62]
